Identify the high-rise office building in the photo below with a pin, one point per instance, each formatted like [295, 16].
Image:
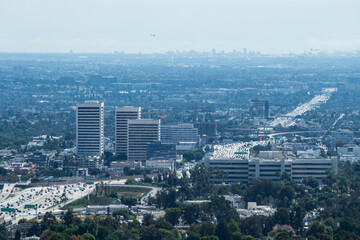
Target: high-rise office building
[90, 128]
[259, 108]
[141, 132]
[122, 114]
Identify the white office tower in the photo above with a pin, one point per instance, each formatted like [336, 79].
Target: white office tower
[122, 114]
[141, 132]
[90, 128]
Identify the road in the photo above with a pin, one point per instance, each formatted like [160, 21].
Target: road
[6, 191]
[48, 198]
[51, 198]
[271, 135]
[289, 119]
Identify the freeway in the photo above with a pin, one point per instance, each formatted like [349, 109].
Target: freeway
[6, 191]
[289, 119]
[271, 135]
[51, 198]
[47, 198]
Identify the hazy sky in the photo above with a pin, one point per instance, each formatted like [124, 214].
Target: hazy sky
[272, 26]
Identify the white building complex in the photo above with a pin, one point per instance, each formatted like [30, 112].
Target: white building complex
[90, 128]
[243, 170]
[141, 132]
[122, 115]
[349, 152]
[185, 132]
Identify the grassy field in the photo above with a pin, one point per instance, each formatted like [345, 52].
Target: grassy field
[107, 195]
[130, 191]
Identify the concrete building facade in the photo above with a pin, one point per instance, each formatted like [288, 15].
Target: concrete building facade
[243, 170]
[185, 132]
[342, 136]
[259, 108]
[141, 132]
[122, 114]
[90, 128]
[206, 128]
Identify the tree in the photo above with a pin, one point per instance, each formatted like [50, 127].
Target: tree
[117, 235]
[3, 171]
[47, 234]
[200, 177]
[311, 182]
[222, 230]
[102, 233]
[149, 233]
[148, 219]
[17, 235]
[330, 222]
[348, 224]
[82, 228]
[221, 208]
[35, 229]
[330, 179]
[282, 236]
[236, 236]
[88, 236]
[286, 194]
[172, 215]
[285, 177]
[249, 237]
[221, 174]
[162, 223]
[60, 236]
[131, 181]
[108, 158]
[345, 235]
[281, 216]
[48, 220]
[129, 201]
[207, 228]
[190, 213]
[68, 217]
[169, 235]
[314, 228]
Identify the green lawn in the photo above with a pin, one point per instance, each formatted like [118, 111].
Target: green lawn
[130, 191]
[107, 195]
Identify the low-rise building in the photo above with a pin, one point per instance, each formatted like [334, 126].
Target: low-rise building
[158, 149]
[187, 146]
[161, 163]
[88, 162]
[129, 164]
[342, 136]
[245, 169]
[107, 209]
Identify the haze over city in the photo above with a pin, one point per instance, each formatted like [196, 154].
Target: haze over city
[95, 26]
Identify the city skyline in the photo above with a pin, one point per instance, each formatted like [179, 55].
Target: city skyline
[159, 26]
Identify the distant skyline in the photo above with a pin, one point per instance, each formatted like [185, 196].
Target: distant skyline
[157, 26]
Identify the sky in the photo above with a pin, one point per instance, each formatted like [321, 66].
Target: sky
[156, 26]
